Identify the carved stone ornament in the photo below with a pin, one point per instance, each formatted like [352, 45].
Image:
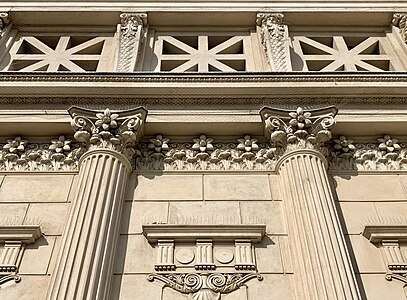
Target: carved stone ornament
[388, 238]
[108, 130]
[386, 154]
[204, 154]
[4, 20]
[14, 238]
[294, 130]
[131, 37]
[187, 262]
[400, 21]
[275, 40]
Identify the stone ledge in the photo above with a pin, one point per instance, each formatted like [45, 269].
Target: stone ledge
[27, 234]
[378, 233]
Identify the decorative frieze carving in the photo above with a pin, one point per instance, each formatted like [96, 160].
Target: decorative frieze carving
[107, 130]
[210, 260]
[203, 154]
[294, 130]
[132, 35]
[275, 40]
[14, 238]
[389, 238]
[20, 155]
[386, 154]
[400, 21]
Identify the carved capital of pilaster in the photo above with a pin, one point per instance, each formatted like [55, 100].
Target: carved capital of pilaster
[274, 37]
[118, 132]
[4, 20]
[298, 130]
[400, 20]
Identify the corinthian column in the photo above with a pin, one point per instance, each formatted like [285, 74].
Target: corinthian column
[85, 263]
[322, 268]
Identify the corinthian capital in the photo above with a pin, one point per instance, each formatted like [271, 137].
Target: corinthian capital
[400, 21]
[108, 130]
[275, 40]
[294, 130]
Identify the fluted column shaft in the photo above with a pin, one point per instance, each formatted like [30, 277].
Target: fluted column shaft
[322, 267]
[85, 264]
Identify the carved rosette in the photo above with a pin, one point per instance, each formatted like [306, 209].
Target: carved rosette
[131, 37]
[107, 130]
[400, 21]
[275, 40]
[204, 286]
[296, 130]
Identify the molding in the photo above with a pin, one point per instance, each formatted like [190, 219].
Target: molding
[378, 233]
[116, 131]
[26, 234]
[186, 233]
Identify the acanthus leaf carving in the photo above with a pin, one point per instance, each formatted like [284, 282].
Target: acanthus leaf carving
[106, 130]
[275, 40]
[132, 35]
[294, 130]
[400, 20]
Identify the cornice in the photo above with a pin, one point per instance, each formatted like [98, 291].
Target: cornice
[26, 234]
[220, 85]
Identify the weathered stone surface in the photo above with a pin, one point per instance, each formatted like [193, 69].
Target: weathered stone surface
[236, 187]
[275, 187]
[264, 212]
[165, 187]
[30, 288]
[37, 188]
[170, 294]
[135, 214]
[268, 255]
[12, 213]
[368, 257]
[134, 255]
[134, 287]
[51, 216]
[36, 258]
[378, 288]
[356, 215]
[369, 188]
[218, 212]
[392, 211]
[285, 254]
[273, 286]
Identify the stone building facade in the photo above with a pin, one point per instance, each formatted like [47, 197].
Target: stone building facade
[203, 150]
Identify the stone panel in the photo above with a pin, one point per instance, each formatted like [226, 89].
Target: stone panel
[268, 255]
[51, 217]
[30, 288]
[378, 288]
[135, 287]
[369, 188]
[204, 213]
[236, 187]
[264, 212]
[368, 257]
[273, 286]
[275, 187]
[356, 215]
[36, 258]
[390, 211]
[134, 255]
[36, 188]
[12, 213]
[165, 187]
[135, 214]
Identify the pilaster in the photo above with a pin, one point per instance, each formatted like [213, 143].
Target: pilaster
[85, 263]
[321, 263]
[275, 40]
[131, 37]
